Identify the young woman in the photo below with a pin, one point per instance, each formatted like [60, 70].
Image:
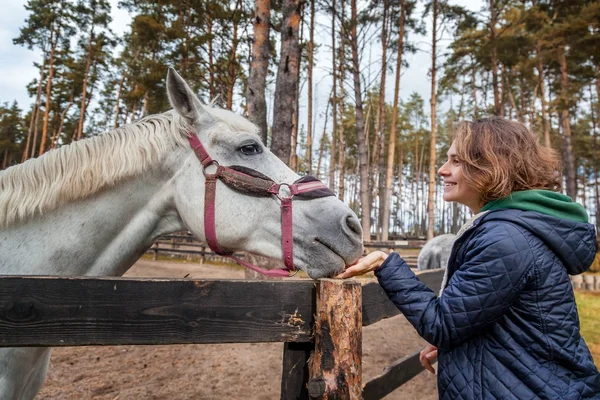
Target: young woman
[505, 325]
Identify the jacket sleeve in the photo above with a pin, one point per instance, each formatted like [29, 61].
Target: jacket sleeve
[497, 263]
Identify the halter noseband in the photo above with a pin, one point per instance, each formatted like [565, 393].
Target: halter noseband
[252, 182]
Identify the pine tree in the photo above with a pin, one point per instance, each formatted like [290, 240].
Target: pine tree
[49, 23]
[286, 89]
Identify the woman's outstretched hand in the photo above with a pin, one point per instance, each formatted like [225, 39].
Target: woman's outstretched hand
[368, 263]
[427, 355]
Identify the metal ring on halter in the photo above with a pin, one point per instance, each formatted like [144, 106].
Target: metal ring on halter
[289, 188]
[293, 273]
[210, 164]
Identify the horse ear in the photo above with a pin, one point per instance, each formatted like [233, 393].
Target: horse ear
[183, 99]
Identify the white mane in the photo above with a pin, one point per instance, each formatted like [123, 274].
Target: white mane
[83, 168]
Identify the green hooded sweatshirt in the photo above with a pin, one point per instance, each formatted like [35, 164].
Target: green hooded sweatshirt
[544, 201]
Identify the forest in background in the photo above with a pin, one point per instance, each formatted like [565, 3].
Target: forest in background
[534, 61]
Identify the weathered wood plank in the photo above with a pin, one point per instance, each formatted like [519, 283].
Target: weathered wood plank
[335, 366]
[376, 305]
[393, 377]
[60, 311]
[294, 374]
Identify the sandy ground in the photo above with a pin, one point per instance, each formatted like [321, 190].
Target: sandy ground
[221, 371]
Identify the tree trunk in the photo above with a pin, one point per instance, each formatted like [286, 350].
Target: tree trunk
[233, 65]
[286, 89]
[294, 145]
[322, 143]
[333, 100]
[474, 88]
[399, 220]
[54, 42]
[433, 153]
[415, 182]
[423, 205]
[494, 58]
[184, 46]
[360, 130]
[595, 151]
[511, 98]
[311, 56]
[88, 63]
[389, 172]
[583, 190]
[342, 140]
[566, 125]
[455, 217]
[35, 112]
[211, 61]
[60, 126]
[117, 102]
[259, 67]
[342, 107]
[145, 105]
[381, 118]
[542, 86]
[133, 104]
[35, 134]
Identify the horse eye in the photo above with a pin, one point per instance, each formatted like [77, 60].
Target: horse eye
[251, 149]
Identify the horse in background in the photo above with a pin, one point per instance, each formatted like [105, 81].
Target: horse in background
[436, 252]
[94, 207]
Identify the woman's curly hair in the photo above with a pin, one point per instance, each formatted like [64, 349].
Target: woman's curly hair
[499, 157]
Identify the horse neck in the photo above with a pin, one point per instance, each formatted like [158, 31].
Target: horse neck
[102, 235]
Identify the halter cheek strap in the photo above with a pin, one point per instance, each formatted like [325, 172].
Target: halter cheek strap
[251, 182]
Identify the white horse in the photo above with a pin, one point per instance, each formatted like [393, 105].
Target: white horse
[436, 252]
[92, 208]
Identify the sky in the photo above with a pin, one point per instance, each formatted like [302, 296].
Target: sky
[16, 62]
[17, 69]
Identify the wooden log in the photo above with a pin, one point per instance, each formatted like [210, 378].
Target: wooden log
[51, 311]
[335, 366]
[294, 374]
[393, 377]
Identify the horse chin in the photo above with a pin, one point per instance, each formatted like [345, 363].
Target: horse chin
[321, 259]
[322, 262]
[318, 273]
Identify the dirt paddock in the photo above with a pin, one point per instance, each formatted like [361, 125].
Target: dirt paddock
[220, 371]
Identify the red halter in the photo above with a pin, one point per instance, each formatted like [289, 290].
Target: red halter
[254, 183]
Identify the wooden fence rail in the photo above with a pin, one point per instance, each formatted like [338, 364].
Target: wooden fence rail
[204, 254]
[82, 311]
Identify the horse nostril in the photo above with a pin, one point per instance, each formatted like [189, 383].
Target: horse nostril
[354, 225]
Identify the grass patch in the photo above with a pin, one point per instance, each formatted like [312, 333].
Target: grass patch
[588, 305]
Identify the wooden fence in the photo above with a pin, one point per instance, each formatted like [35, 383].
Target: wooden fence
[186, 245]
[589, 282]
[322, 318]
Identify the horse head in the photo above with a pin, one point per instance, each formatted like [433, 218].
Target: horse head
[326, 233]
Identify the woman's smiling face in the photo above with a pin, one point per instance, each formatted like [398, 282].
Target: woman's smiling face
[455, 186]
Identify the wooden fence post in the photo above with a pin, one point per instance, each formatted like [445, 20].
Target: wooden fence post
[335, 367]
[294, 375]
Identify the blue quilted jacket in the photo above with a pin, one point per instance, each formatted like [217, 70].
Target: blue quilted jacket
[506, 325]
